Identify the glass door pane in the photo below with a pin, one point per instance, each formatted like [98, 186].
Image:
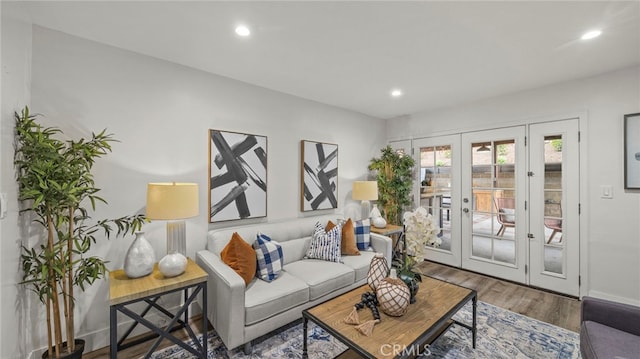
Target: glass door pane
[493, 210]
[553, 246]
[435, 188]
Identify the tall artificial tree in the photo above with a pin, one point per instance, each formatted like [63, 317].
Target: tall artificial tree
[56, 185]
[395, 182]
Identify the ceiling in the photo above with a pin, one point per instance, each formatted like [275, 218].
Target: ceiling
[351, 54]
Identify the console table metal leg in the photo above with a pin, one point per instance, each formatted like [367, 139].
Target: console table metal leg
[304, 341]
[113, 330]
[474, 303]
[186, 312]
[205, 321]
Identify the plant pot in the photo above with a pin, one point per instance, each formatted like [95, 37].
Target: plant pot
[77, 354]
[412, 281]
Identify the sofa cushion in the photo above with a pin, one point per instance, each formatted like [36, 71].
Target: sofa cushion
[325, 245]
[606, 342]
[241, 257]
[266, 299]
[295, 249]
[362, 230]
[348, 244]
[360, 264]
[269, 257]
[322, 277]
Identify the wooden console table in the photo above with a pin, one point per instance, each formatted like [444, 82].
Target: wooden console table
[124, 291]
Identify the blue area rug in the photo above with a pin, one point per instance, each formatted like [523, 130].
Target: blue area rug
[501, 334]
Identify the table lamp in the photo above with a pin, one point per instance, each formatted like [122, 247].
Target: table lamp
[365, 191]
[173, 202]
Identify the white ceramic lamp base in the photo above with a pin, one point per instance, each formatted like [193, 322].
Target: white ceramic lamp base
[366, 209]
[176, 237]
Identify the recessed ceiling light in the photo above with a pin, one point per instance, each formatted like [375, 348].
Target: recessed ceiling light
[243, 31]
[591, 34]
[396, 93]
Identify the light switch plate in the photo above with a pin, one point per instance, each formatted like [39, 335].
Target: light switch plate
[3, 205]
[606, 191]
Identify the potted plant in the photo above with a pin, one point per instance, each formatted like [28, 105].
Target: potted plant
[395, 182]
[420, 231]
[56, 186]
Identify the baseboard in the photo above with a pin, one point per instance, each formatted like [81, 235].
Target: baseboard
[613, 298]
[100, 339]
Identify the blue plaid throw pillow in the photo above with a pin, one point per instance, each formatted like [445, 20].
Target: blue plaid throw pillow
[325, 245]
[363, 233]
[269, 257]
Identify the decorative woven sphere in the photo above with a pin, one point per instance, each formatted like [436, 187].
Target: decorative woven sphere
[393, 296]
[378, 270]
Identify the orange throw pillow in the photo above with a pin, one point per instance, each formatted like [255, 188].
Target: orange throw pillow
[348, 238]
[241, 257]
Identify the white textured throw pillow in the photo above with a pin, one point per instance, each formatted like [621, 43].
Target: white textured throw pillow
[325, 245]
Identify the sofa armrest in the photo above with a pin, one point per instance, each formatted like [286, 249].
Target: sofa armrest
[620, 316]
[225, 293]
[382, 244]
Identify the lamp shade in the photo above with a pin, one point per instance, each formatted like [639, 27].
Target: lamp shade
[170, 201]
[365, 191]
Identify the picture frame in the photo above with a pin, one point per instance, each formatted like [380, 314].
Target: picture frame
[318, 176]
[632, 151]
[237, 176]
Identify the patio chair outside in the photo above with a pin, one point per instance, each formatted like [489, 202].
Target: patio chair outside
[555, 224]
[506, 214]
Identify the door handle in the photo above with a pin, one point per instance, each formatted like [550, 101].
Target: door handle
[465, 210]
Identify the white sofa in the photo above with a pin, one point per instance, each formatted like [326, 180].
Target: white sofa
[241, 313]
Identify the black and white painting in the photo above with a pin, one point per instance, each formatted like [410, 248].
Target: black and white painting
[632, 151]
[238, 176]
[319, 176]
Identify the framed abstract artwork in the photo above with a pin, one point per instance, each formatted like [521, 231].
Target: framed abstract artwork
[319, 176]
[237, 176]
[632, 151]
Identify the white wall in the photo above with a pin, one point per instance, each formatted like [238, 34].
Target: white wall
[161, 112]
[16, 77]
[611, 240]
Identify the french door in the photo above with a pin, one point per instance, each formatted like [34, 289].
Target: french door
[554, 211]
[494, 226]
[439, 162]
[507, 201]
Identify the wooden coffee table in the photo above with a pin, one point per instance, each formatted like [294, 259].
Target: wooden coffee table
[394, 337]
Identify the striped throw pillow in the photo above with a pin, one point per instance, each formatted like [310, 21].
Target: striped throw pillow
[325, 245]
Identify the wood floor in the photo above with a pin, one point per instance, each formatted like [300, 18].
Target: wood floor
[547, 307]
